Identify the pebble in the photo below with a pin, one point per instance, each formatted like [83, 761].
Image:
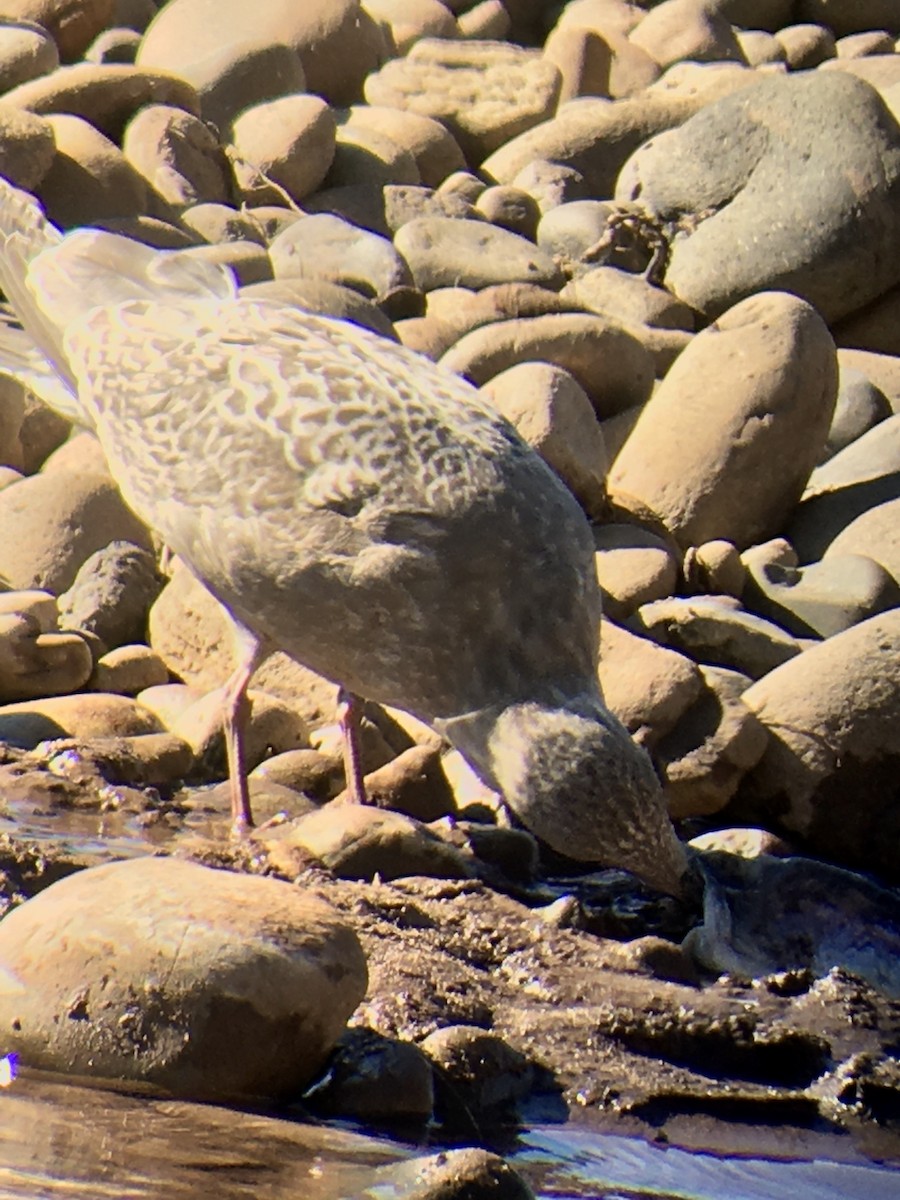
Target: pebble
[82, 715]
[358, 841]
[36, 663]
[634, 567]
[124, 972]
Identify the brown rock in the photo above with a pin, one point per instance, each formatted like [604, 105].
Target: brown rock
[178, 156]
[413, 783]
[289, 141]
[73, 24]
[634, 566]
[88, 715]
[432, 145]
[270, 728]
[723, 449]
[648, 687]
[26, 52]
[806, 46]
[34, 663]
[686, 29]
[27, 147]
[128, 670]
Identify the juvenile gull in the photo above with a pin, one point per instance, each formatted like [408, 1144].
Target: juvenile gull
[353, 504]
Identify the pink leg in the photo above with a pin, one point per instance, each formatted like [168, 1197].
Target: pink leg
[236, 710]
[349, 712]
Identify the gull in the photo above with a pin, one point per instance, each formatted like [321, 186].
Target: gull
[353, 504]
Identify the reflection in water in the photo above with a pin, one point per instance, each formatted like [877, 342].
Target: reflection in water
[58, 1140]
[572, 1163]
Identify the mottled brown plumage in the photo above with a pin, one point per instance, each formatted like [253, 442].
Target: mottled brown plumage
[353, 504]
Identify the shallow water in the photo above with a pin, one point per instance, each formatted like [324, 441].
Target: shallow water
[62, 1140]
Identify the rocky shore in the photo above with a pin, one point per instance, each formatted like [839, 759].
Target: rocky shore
[664, 241]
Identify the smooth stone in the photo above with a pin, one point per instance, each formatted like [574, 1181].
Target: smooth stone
[247, 260]
[134, 760]
[204, 983]
[555, 416]
[863, 476]
[850, 16]
[711, 748]
[806, 46]
[27, 147]
[759, 46]
[113, 46]
[445, 252]
[51, 523]
[860, 407]
[240, 74]
[178, 155]
[829, 771]
[90, 179]
[376, 1079]
[43, 432]
[328, 299]
[106, 95]
[470, 1174]
[484, 92]
[510, 208]
[819, 600]
[489, 20]
[634, 566]
[628, 297]
[745, 842]
[216, 222]
[874, 328]
[594, 137]
[364, 156]
[648, 686]
[35, 663]
[436, 152]
[73, 24]
[686, 29]
[875, 533]
[324, 247]
[583, 59]
[128, 670]
[167, 701]
[309, 772]
[84, 715]
[338, 43]
[271, 726]
[413, 783]
[722, 451]
[716, 633]
[769, 213]
[859, 45]
[111, 594]
[12, 414]
[27, 51]
[289, 142]
[485, 1072]
[34, 603]
[570, 230]
[715, 568]
[883, 370]
[359, 842]
[607, 361]
[375, 752]
[551, 183]
[411, 20]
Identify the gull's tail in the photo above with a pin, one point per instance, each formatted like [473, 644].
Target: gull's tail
[52, 280]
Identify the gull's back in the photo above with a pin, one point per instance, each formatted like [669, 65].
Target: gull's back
[346, 498]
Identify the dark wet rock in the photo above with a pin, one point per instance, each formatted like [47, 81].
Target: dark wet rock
[723, 452]
[818, 600]
[829, 773]
[752, 926]
[370, 1077]
[716, 631]
[112, 593]
[359, 842]
[481, 1072]
[203, 983]
[771, 212]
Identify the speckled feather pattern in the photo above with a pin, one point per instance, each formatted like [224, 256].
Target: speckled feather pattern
[354, 504]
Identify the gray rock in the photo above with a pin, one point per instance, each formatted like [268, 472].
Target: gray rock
[860, 406]
[325, 247]
[716, 633]
[204, 983]
[112, 594]
[443, 252]
[375, 1078]
[751, 211]
[821, 599]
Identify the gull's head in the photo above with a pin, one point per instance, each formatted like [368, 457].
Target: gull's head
[574, 777]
